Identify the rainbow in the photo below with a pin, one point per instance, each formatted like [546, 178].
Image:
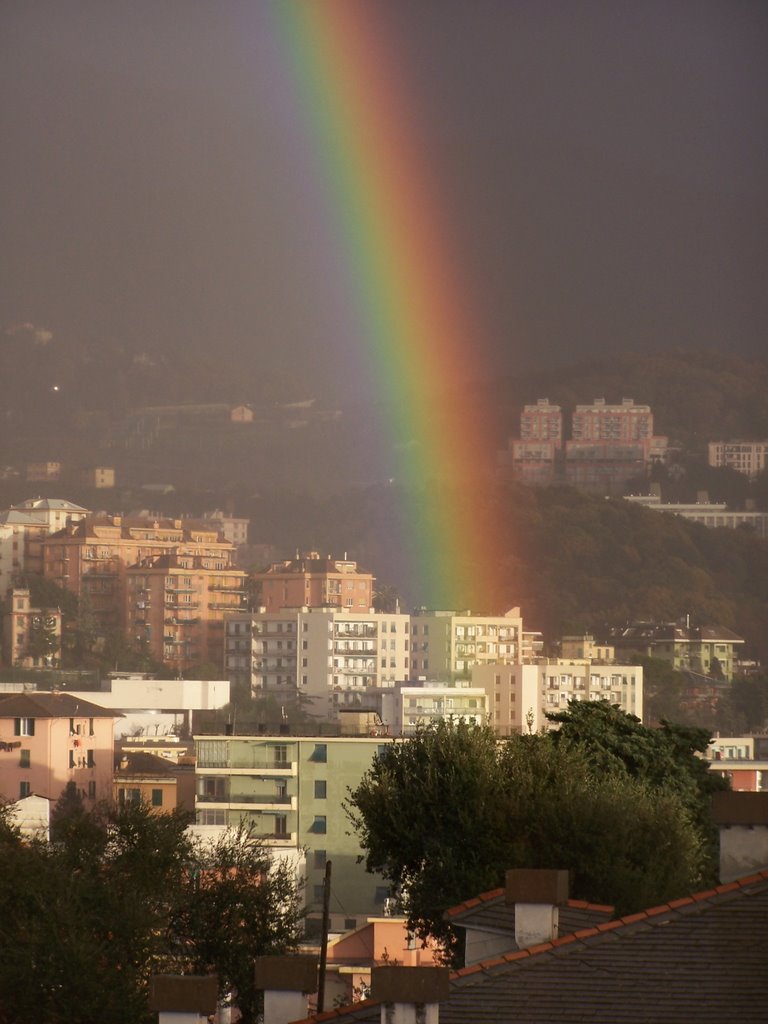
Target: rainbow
[422, 341]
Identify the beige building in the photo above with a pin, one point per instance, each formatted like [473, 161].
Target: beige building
[23, 528]
[313, 581]
[331, 657]
[446, 645]
[747, 457]
[520, 696]
[31, 636]
[100, 477]
[166, 583]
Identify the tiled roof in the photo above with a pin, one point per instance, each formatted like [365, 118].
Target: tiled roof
[702, 958]
[52, 705]
[490, 912]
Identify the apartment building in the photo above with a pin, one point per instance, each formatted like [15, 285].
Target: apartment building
[609, 444]
[176, 604]
[404, 709]
[446, 645]
[50, 739]
[291, 790]
[31, 636]
[313, 581]
[520, 696]
[22, 530]
[700, 649]
[747, 457]
[166, 583]
[331, 657]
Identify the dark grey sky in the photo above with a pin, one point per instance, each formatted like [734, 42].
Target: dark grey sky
[604, 166]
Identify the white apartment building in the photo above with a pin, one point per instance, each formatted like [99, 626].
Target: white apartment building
[520, 696]
[404, 709]
[331, 657]
[446, 644]
[748, 457]
[708, 513]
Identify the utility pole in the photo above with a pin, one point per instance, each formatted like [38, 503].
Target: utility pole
[324, 937]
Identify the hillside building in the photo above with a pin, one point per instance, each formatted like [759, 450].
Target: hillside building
[715, 515]
[707, 650]
[608, 445]
[747, 457]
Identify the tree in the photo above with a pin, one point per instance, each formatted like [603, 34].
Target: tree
[121, 894]
[445, 813]
[239, 903]
[667, 758]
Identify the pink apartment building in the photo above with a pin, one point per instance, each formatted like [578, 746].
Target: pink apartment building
[50, 739]
[312, 581]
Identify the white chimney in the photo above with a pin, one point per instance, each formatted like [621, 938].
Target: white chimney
[182, 999]
[535, 894]
[410, 995]
[743, 822]
[285, 981]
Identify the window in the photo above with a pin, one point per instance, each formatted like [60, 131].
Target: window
[320, 753]
[281, 825]
[281, 754]
[71, 759]
[23, 758]
[157, 798]
[24, 790]
[90, 763]
[321, 789]
[24, 727]
[320, 858]
[129, 796]
[92, 790]
[319, 824]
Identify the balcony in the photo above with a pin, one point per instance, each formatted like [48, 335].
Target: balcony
[236, 766]
[248, 801]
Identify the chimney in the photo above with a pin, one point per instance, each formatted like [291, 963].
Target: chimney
[409, 995]
[702, 497]
[182, 999]
[285, 982]
[743, 822]
[535, 894]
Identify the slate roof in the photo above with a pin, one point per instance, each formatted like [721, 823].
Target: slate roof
[703, 958]
[51, 705]
[489, 912]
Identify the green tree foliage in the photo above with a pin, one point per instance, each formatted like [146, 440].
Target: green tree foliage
[445, 813]
[88, 918]
[239, 903]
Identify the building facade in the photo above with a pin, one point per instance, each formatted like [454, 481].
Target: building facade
[50, 739]
[715, 515]
[446, 645]
[330, 657]
[31, 636]
[520, 696]
[313, 581]
[164, 583]
[747, 457]
[291, 790]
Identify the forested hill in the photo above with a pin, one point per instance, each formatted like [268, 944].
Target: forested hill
[582, 561]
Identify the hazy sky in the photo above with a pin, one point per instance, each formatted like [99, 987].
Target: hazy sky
[602, 167]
